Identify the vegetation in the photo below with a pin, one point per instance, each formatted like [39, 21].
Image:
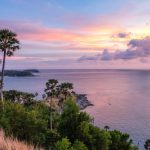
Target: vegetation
[55, 92]
[18, 73]
[8, 45]
[147, 144]
[41, 124]
[72, 129]
[13, 144]
[51, 92]
[65, 144]
[20, 97]
[32, 70]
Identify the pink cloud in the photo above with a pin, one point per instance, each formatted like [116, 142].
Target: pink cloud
[38, 32]
[36, 36]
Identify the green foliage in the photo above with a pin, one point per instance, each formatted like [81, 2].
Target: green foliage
[60, 91]
[8, 45]
[93, 137]
[65, 89]
[8, 42]
[20, 97]
[25, 124]
[71, 119]
[77, 125]
[78, 145]
[120, 141]
[65, 144]
[147, 144]
[72, 129]
[51, 88]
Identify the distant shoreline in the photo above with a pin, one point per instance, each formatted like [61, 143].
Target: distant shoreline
[20, 73]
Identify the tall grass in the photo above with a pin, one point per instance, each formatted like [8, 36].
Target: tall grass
[9, 143]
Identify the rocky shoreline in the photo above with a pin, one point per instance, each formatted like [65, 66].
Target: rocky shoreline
[82, 101]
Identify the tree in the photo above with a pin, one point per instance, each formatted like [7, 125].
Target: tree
[23, 98]
[64, 89]
[77, 125]
[120, 141]
[106, 128]
[78, 145]
[51, 92]
[8, 44]
[147, 144]
[69, 120]
[64, 144]
[93, 137]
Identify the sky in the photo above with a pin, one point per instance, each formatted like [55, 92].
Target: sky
[78, 34]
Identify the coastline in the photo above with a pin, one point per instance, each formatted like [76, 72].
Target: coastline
[83, 102]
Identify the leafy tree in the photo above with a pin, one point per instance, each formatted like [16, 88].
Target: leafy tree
[69, 120]
[64, 144]
[106, 128]
[72, 129]
[20, 97]
[77, 125]
[78, 145]
[51, 92]
[120, 141]
[147, 144]
[26, 124]
[64, 89]
[8, 44]
[93, 137]
[51, 88]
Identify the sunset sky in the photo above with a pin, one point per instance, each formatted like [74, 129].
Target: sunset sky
[79, 33]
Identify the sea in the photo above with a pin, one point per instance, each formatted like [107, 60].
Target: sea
[121, 98]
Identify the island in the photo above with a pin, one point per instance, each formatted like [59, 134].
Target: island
[20, 73]
[32, 70]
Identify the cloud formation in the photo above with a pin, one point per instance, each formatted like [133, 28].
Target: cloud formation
[123, 35]
[35, 35]
[137, 48]
[38, 32]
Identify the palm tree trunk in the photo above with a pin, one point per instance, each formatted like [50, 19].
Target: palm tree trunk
[51, 117]
[2, 77]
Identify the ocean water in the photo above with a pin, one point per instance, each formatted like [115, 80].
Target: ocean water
[121, 98]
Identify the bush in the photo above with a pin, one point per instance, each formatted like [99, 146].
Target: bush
[30, 125]
[72, 130]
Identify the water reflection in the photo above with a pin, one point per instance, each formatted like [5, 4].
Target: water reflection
[120, 98]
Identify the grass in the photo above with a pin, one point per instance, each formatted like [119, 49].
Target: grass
[9, 143]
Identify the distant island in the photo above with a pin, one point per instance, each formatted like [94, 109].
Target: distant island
[20, 73]
[32, 70]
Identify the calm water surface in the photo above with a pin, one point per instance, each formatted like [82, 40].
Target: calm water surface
[121, 98]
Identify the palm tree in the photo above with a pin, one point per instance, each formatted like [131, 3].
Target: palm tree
[65, 89]
[51, 92]
[8, 44]
[106, 128]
